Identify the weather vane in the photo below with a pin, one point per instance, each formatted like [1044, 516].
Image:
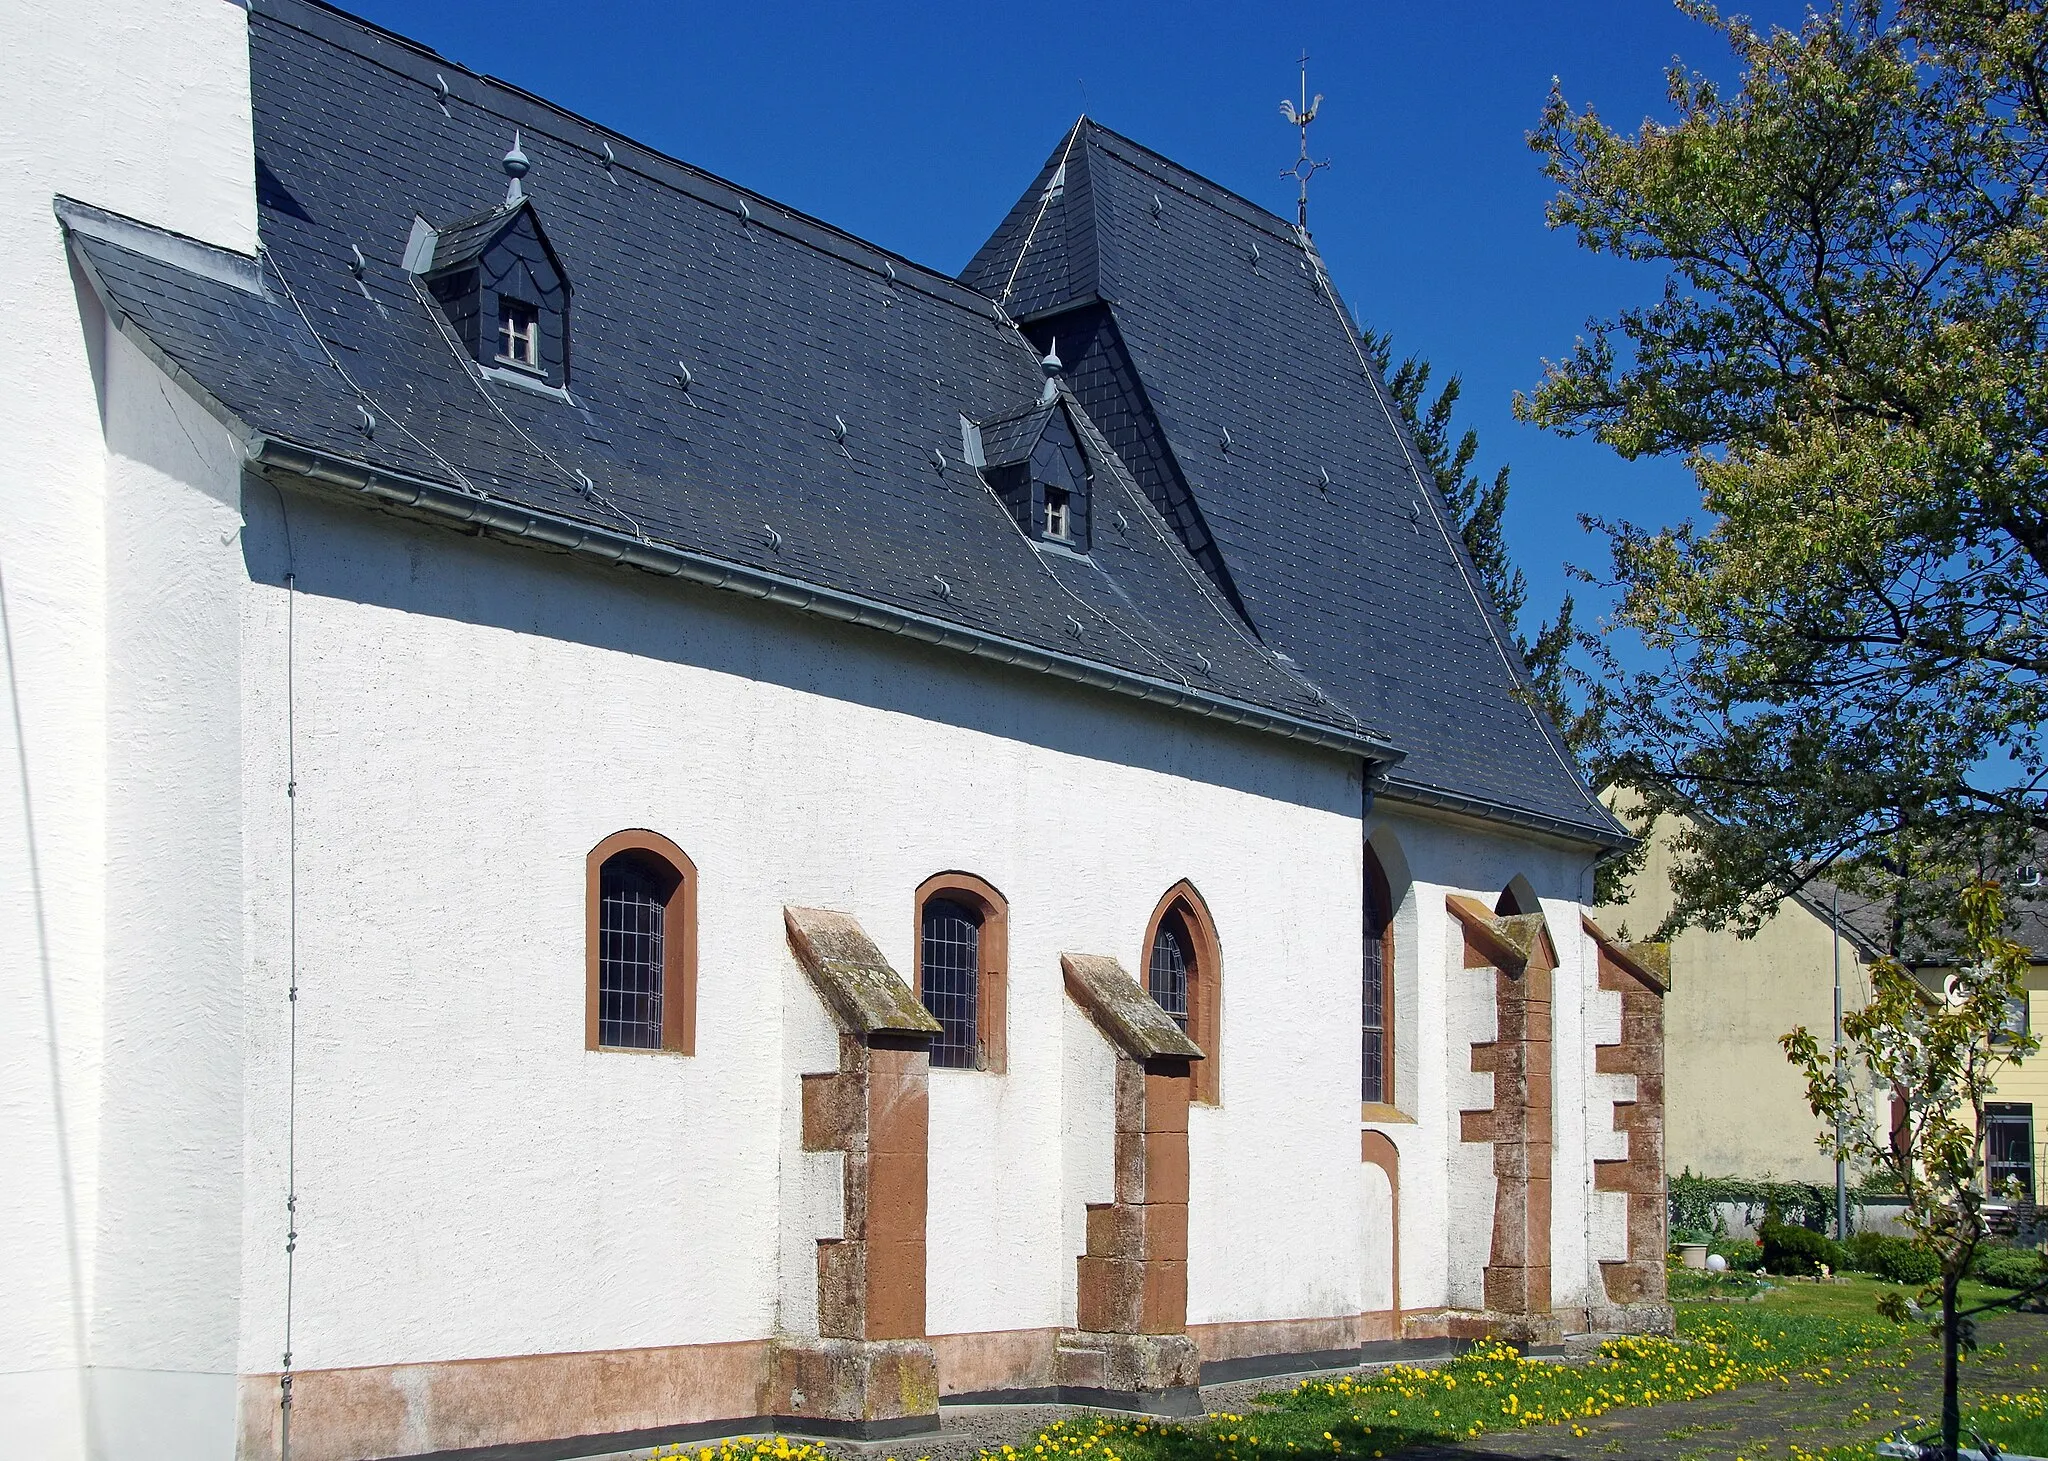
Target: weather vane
[1304, 167]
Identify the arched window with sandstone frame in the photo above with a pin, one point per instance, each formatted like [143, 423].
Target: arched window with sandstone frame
[961, 969]
[1376, 997]
[640, 945]
[1183, 964]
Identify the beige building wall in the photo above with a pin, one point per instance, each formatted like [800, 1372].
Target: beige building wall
[1734, 1106]
[2027, 1084]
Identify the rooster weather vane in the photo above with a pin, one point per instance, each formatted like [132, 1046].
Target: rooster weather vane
[1304, 167]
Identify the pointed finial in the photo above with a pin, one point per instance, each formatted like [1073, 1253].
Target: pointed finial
[516, 167]
[1052, 367]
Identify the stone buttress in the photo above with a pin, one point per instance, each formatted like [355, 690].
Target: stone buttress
[1131, 1343]
[870, 1373]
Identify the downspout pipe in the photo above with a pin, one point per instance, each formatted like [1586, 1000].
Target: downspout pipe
[439, 501]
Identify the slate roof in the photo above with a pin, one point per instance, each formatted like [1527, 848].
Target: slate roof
[784, 326]
[458, 243]
[1220, 322]
[720, 338]
[1867, 921]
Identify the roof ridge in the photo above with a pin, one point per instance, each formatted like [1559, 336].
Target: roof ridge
[932, 281]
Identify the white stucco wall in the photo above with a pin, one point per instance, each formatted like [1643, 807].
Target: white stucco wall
[141, 106]
[1442, 1009]
[472, 719]
[166, 1240]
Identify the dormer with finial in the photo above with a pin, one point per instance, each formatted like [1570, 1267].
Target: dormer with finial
[1038, 466]
[501, 284]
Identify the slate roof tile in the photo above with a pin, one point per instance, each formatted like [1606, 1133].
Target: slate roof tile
[1230, 326]
[782, 323]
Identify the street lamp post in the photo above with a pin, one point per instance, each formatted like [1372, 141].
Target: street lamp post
[1841, 1166]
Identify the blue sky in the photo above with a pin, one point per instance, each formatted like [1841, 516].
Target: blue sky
[917, 125]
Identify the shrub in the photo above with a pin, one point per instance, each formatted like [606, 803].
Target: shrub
[1681, 1236]
[1892, 1258]
[2008, 1268]
[1789, 1249]
[1689, 1283]
[1744, 1255]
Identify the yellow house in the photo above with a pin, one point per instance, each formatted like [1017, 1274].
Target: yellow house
[1734, 1106]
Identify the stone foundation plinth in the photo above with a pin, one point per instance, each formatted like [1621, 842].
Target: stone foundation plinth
[1158, 1373]
[863, 1388]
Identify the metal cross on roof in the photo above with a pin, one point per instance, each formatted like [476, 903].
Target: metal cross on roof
[1304, 167]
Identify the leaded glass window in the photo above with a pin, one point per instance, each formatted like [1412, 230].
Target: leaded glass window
[950, 969]
[632, 911]
[1167, 979]
[1373, 1001]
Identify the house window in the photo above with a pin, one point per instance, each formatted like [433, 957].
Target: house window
[518, 333]
[1376, 1005]
[2015, 1024]
[642, 942]
[1183, 965]
[962, 951]
[1058, 514]
[2009, 1139]
[951, 978]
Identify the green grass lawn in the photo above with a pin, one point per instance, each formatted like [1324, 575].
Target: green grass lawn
[1795, 1331]
[1821, 1332]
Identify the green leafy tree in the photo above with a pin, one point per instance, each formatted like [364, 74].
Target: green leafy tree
[1845, 657]
[1479, 511]
[1939, 1052]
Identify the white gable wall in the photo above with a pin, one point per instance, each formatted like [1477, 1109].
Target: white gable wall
[140, 106]
[166, 1240]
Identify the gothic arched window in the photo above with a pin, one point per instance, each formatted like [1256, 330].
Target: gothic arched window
[1183, 965]
[1376, 1004]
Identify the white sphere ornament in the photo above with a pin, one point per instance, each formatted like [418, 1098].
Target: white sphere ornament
[1716, 1263]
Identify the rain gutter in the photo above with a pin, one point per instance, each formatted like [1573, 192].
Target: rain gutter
[509, 520]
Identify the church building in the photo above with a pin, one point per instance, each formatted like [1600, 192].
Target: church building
[632, 818]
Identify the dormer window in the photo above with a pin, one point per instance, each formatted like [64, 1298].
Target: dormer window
[503, 290]
[1036, 464]
[1058, 520]
[519, 333]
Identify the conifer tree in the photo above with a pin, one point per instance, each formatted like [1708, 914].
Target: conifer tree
[1478, 511]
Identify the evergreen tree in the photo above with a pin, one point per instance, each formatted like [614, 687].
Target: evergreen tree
[1479, 510]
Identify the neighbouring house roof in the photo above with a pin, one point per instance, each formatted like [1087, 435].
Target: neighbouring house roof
[1259, 428]
[762, 401]
[1868, 921]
